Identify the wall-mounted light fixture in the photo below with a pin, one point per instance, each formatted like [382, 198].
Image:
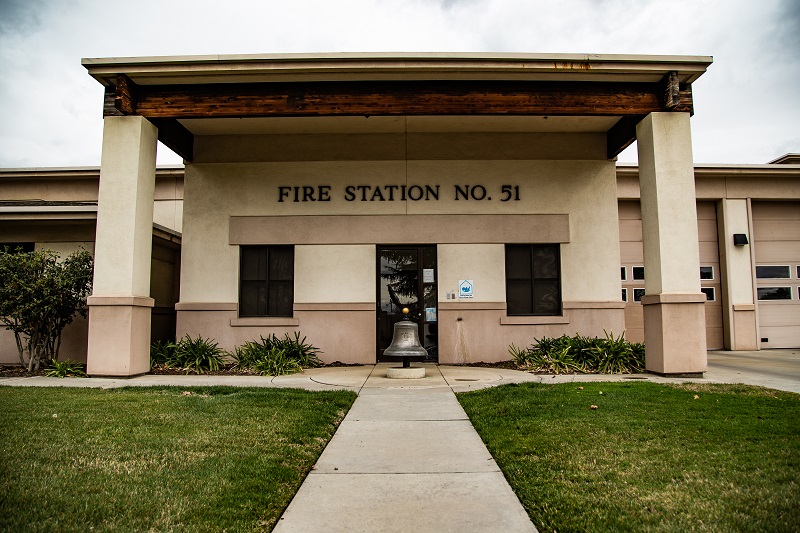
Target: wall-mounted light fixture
[739, 239]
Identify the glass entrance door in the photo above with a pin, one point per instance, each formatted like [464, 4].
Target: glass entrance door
[407, 278]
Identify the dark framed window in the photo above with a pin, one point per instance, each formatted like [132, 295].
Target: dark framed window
[706, 272]
[624, 295]
[774, 293]
[638, 273]
[711, 294]
[533, 279]
[773, 272]
[266, 281]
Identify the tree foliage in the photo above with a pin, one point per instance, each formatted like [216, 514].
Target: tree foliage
[39, 296]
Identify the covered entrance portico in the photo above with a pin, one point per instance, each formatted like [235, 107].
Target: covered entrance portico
[277, 148]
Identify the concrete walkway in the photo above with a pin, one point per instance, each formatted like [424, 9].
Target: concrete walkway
[405, 458]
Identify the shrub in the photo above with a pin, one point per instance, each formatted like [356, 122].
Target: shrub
[580, 354]
[161, 352]
[62, 369]
[616, 356]
[273, 356]
[39, 296]
[195, 355]
[276, 362]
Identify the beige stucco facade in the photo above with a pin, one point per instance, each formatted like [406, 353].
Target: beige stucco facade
[233, 203]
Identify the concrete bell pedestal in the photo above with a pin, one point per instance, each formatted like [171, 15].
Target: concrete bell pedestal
[405, 373]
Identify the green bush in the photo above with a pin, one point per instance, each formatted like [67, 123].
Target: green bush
[276, 362]
[40, 295]
[559, 355]
[62, 369]
[161, 352]
[273, 356]
[192, 355]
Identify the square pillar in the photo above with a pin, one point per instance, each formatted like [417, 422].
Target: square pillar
[674, 312]
[736, 265]
[120, 305]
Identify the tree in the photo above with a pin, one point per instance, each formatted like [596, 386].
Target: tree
[39, 297]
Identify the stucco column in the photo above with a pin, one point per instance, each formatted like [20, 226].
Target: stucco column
[674, 313]
[119, 308]
[736, 265]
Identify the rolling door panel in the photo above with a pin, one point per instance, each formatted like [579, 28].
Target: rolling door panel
[776, 242]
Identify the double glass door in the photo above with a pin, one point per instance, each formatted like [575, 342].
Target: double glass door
[407, 277]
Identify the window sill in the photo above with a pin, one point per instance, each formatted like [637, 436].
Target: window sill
[533, 320]
[265, 321]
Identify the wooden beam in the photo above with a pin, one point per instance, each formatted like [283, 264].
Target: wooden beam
[621, 135]
[125, 95]
[109, 109]
[390, 99]
[670, 87]
[175, 137]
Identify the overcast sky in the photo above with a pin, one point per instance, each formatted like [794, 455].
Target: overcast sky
[747, 106]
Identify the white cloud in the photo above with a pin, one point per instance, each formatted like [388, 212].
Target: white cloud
[50, 110]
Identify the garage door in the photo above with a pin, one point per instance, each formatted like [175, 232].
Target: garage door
[632, 270]
[776, 243]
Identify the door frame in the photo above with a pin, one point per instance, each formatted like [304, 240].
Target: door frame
[420, 320]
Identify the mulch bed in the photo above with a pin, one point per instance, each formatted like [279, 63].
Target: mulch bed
[17, 371]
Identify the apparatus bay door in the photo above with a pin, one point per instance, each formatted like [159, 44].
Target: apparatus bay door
[407, 277]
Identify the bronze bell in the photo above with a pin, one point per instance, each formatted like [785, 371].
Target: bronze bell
[405, 341]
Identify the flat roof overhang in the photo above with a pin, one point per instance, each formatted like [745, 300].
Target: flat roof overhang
[180, 94]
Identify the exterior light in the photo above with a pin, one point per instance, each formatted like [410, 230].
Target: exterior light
[739, 239]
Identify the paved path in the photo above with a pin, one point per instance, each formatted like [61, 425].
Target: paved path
[405, 458]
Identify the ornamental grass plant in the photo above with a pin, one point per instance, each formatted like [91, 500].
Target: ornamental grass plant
[270, 355]
[274, 356]
[580, 354]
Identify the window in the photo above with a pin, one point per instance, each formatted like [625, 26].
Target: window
[533, 279]
[623, 273]
[706, 272]
[773, 272]
[13, 247]
[266, 281]
[774, 293]
[637, 295]
[710, 294]
[638, 272]
[624, 295]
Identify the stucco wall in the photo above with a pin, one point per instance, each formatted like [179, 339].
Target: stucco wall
[571, 178]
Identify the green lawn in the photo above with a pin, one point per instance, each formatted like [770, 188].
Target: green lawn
[650, 457]
[159, 459]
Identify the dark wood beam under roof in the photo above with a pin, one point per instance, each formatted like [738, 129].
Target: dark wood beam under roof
[171, 89]
[380, 98]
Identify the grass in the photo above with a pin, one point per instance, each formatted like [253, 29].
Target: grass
[158, 459]
[650, 457]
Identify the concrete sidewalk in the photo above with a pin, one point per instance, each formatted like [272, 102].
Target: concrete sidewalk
[777, 369]
[405, 458]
